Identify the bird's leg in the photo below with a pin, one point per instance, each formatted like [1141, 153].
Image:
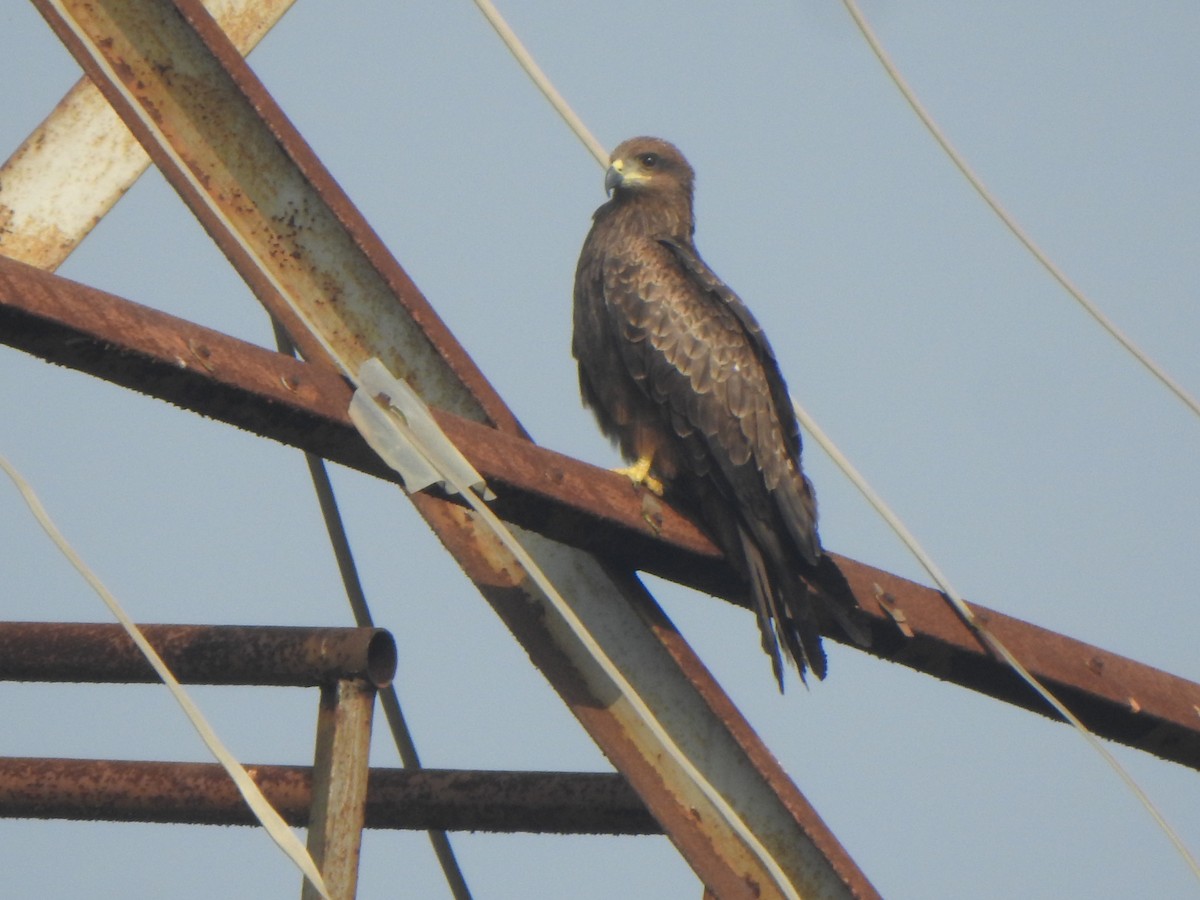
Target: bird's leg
[639, 474]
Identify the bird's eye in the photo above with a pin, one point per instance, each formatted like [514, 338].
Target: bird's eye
[648, 160]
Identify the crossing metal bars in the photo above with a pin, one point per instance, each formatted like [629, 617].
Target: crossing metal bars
[212, 129]
[303, 405]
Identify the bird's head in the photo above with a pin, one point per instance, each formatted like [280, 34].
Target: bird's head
[648, 165]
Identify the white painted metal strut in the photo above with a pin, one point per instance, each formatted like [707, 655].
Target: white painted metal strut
[306, 252]
[80, 161]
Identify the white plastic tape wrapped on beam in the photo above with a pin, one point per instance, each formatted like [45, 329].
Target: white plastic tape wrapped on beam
[397, 425]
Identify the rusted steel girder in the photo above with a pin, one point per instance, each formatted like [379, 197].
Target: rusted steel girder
[441, 799]
[339, 786]
[278, 397]
[607, 649]
[305, 406]
[197, 654]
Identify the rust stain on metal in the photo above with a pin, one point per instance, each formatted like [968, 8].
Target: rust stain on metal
[81, 159]
[462, 389]
[408, 799]
[196, 654]
[652, 511]
[339, 785]
[242, 180]
[203, 354]
[888, 604]
[304, 405]
[446, 377]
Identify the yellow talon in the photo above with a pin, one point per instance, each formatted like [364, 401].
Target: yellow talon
[639, 474]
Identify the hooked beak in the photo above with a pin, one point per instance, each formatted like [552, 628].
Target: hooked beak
[614, 176]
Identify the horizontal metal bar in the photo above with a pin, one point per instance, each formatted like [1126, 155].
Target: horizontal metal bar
[306, 252]
[442, 799]
[305, 406]
[278, 397]
[197, 654]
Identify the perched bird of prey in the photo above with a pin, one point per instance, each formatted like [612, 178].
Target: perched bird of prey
[680, 375]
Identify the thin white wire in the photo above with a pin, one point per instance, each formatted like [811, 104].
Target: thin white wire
[526, 61]
[539, 78]
[993, 642]
[505, 536]
[274, 824]
[961, 164]
[610, 668]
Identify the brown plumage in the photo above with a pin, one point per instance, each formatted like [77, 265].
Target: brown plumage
[678, 371]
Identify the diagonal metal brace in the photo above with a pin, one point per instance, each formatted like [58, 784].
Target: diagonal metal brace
[220, 140]
[300, 404]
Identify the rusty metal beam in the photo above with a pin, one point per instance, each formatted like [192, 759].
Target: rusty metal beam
[253, 183]
[339, 786]
[201, 793]
[218, 137]
[295, 403]
[197, 654]
[304, 406]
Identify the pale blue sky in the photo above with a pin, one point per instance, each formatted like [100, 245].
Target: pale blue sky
[1047, 473]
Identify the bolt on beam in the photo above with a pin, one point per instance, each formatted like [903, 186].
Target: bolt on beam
[304, 405]
[308, 255]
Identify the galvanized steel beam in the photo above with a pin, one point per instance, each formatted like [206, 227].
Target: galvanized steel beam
[442, 799]
[75, 165]
[305, 251]
[295, 403]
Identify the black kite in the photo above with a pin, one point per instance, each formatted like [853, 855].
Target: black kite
[680, 375]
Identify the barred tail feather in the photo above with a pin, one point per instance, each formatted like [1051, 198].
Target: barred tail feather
[784, 616]
[764, 603]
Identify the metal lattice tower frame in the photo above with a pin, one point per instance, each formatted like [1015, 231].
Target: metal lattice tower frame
[273, 239]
